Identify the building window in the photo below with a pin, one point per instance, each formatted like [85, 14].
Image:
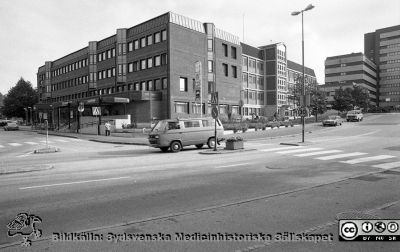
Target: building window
[150, 85]
[233, 52]
[181, 107]
[163, 59]
[109, 73]
[225, 49]
[183, 84]
[150, 40]
[164, 83]
[157, 37]
[225, 69]
[109, 54]
[130, 67]
[143, 64]
[210, 45]
[149, 62]
[164, 35]
[113, 71]
[252, 66]
[143, 42]
[136, 44]
[210, 66]
[234, 71]
[244, 63]
[130, 46]
[157, 60]
[157, 84]
[136, 86]
[143, 86]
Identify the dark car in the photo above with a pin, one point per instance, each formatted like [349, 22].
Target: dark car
[11, 126]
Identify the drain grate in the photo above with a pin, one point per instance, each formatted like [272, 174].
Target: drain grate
[370, 178]
[355, 215]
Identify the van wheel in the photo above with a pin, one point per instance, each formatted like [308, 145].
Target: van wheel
[348, 120]
[164, 149]
[199, 146]
[176, 146]
[211, 142]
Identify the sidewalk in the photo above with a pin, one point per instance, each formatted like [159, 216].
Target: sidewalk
[141, 138]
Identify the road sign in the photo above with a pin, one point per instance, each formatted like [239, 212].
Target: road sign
[81, 107]
[214, 112]
[214, 98]
[303, 112]
[96, 111]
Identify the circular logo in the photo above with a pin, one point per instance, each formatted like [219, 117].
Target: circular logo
[349, 230]
[392, 227]
[367, 227]
[380, 226]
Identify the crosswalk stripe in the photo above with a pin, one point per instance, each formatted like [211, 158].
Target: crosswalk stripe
[352, 154]
[282, 148]
[31, 143]
[317, 153]
[299, 150]
[367, 159]
[15, 144]
[388, 165]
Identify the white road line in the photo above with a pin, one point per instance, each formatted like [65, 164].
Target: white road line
[73, 183]
[61, 140]
[44, 141]
[317, 153]
[282, 148]
[352, 154]
[223, 166]
[15, 144]
[31, 143]
[388, 165]
[1, 146]
[299, 150]
[366, 159]
[75, 139]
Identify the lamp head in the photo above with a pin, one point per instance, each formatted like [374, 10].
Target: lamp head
[309, 7]
[295, 13]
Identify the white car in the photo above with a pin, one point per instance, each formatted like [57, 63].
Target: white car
[333, 121]
[354, 115]
[11, 126]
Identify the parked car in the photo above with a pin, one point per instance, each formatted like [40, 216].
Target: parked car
[11, 126]
[333, 121]
[4, 122]
[354, 115]
[173, 134]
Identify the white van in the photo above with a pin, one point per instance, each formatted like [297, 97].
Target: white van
[175, 133]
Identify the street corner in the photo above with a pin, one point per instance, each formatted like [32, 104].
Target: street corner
[46, 150]
[6, 170]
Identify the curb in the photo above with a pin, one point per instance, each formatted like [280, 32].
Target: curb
[224, 151]
[26, 170]
[298, 144]
[111, 142]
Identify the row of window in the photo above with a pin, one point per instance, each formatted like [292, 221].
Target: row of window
[252, 65]
[253, 97]
[393, 77]
[390, 46]
[149, 85]
[390, 85]
[143, 42]
[69, 83]
[391, 61]
[391, 93]
[108, 73]
[70, 67]
[143, 64]
[252, 81]
[225, 49]
[395, 69]
[105, 55]
[183, 108]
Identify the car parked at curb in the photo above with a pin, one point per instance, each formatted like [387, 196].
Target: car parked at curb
[354, 115]
[11, 126]
[332, 121]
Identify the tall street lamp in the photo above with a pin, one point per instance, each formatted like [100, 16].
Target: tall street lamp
[295, 13]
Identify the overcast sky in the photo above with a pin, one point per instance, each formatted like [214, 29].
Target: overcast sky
[32, 32]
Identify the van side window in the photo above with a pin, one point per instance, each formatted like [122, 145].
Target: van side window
[191, 124]
[173, 125]
[205, 123]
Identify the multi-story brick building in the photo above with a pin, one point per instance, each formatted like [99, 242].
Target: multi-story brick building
[148, 71]
[383, 48]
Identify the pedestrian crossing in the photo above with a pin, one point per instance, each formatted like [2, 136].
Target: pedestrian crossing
[352, 158]
[38, 142]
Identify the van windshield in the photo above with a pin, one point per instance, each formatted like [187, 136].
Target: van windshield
[160, 126]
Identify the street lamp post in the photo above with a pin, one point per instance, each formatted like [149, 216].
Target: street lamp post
[295, 13]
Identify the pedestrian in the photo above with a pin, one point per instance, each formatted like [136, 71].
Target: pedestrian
[108, 128]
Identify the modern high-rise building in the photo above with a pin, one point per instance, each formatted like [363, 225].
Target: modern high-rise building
[383, 48]
[351, 69]
[153, 70]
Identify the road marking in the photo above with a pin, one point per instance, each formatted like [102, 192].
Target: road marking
[75, 139]
[223, 166]
[317, 153]
[31, 143]
[1, 146]
[73, 183]
[388, 165]
[15, 144]
[299, 150]
[61, 140]
[44, 141]
[352, 154]
[282, 148]
[366, 159]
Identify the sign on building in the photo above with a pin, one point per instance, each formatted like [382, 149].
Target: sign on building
[96, 111]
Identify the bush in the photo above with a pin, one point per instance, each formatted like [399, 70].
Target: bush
[234, 139]
[244, 127]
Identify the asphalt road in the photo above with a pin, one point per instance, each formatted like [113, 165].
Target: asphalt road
[350, 170]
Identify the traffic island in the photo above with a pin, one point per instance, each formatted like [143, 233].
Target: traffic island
[5, 170]
[306, 143]
[224, 151]
[46, 150]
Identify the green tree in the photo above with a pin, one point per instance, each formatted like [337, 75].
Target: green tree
[360, 97]
[318, 102]
[20, 96]
[343, 100]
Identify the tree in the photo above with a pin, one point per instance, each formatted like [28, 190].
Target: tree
[343, 100]
[20, 96]
[1, 104]
[360, 97]
[318, 102]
